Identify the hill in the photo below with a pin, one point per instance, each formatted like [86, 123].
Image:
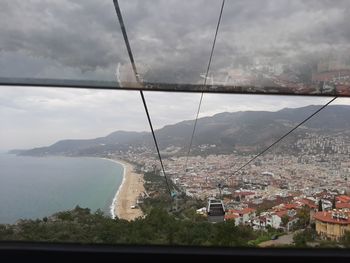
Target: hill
[245, 131]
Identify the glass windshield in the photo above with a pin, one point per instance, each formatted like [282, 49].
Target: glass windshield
[93, 150]
[260, 46]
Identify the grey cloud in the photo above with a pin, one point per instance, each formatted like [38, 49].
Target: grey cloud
[82, 39]
[285, 31]
[81, 34]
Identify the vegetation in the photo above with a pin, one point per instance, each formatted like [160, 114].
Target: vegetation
[334, 203]
[303, 215]
[301, 238]
[285, 220]
[320, 205]
[182, 207]
[345, 241]
[156, 184]
[262, 237]
[158, 227]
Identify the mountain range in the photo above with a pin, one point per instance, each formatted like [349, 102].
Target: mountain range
[244, 131]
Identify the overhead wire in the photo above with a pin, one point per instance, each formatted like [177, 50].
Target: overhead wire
[122, 25]
[131, 58]
[282, 137]
[205, 82]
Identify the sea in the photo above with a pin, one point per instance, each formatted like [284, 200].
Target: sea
[36, 187]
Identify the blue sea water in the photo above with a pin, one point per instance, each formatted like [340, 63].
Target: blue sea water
[35, 187]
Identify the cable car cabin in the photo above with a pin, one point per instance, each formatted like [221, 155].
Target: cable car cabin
[215, 210]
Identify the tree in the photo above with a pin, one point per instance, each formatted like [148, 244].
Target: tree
[270, 229]
[302, 237]
[299, 239]
[304, 216]
[345, 241]
[333, 203]
[285, 220]
[320, 205]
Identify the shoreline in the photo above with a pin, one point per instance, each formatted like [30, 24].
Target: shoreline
[115, 198]
[127, 193]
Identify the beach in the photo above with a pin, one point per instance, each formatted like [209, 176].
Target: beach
[125, 199]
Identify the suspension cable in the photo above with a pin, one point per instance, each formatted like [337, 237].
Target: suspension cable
[131, 57]
[205, 82]
[284, 136]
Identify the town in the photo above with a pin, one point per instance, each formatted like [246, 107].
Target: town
[274, 190]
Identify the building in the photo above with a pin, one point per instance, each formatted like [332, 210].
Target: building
[277, 221]
[241, 217]
[332, 76]
[261, 222]
[264, 220]
[274, 220]
[332, 224]
[233, 216]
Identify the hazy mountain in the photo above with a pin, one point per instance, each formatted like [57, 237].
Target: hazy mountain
[116, 140]
[241, 131]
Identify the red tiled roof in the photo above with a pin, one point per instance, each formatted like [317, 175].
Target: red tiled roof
[231, 216]
[247, 210]
[290, 206]
[327, 218]
[343, 198]
[308, 203]
[233, 211]
[342, 205]
[282, 213]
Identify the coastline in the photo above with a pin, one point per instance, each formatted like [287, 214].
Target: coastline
[127, 193]
[115, 198]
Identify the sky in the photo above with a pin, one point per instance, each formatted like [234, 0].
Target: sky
[33, 117]
[171, 42]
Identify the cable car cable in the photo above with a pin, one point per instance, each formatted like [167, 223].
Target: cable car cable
[282, 137]
[205, 82]
[131, 57]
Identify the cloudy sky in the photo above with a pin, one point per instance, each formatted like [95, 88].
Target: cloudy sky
[171, 41]
[39, 116]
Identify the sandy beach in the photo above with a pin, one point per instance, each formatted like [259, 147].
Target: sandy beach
[128, 193]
